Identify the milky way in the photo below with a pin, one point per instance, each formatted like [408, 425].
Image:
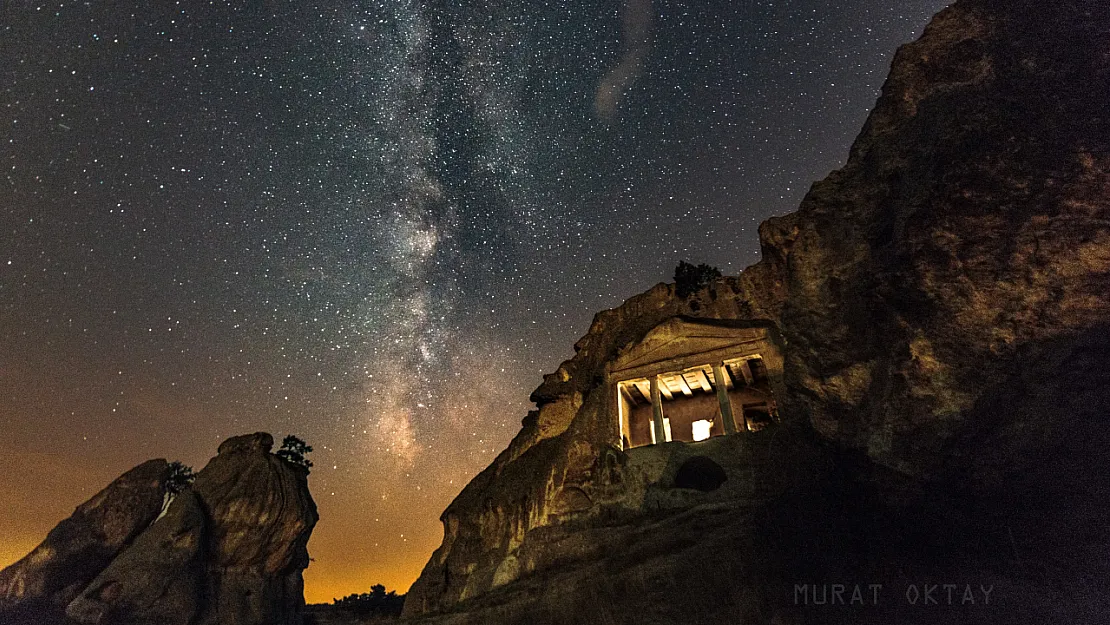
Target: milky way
[374, 224]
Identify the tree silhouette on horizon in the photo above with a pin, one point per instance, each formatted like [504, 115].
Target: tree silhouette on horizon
[294, 451]
[690, 279]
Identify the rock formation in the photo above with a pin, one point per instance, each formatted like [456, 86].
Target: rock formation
[229, 550]
[81, 546]
[942, 305]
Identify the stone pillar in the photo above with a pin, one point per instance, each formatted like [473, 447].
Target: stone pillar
[657, 411]
[728, 421]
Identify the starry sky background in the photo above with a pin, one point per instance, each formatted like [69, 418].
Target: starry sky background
[373, 223]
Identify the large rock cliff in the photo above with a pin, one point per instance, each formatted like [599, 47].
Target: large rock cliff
[228, 550]
[942, 304]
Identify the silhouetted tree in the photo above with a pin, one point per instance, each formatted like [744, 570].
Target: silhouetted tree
[377, 602]
[689, 279]
[179, 478]
[294, 450]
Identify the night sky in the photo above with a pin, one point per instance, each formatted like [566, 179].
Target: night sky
[374, 224]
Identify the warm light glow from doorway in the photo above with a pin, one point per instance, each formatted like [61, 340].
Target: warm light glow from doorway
[702, 429]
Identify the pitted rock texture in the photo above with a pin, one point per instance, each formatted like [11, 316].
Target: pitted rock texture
[229, 550]
[964, 243]
[943, 307]
[260, 509]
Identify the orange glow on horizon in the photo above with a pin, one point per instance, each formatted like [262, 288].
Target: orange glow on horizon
[379, 511]
[13, 550]
[378, 533]
[322, 583]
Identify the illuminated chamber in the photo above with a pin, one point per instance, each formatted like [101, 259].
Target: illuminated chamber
[689, 380]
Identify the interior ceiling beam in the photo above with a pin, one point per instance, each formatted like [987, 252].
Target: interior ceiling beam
[737, 373]
[741, 368]
[745, 371]
[703, 380]
[626, 392]
[664, 388]
[686, 390]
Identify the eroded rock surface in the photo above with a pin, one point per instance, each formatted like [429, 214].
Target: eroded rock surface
[943, 308]
[229, 550]
[81, 546]
[261, 516]
[160, 578]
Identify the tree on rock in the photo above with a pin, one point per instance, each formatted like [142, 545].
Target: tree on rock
[179, 478]
[690, 279]
[294, 451]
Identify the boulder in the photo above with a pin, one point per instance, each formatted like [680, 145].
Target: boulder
[79, 547]
[228, 550]
[261, 517]
[159, 579]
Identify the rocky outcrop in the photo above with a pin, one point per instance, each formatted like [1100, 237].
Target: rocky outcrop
[228, 550]
[964, 249]
[158, 579]
[943, 308]
[81, 546]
